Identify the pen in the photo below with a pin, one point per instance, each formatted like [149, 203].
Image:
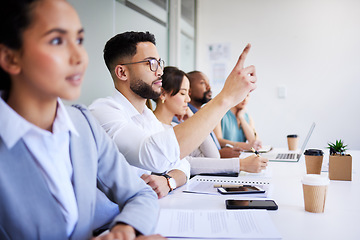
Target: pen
[256, 152]
[230, 185]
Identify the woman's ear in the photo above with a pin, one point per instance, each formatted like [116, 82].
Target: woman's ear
[162, 95]
[9, 60]
[120, 72]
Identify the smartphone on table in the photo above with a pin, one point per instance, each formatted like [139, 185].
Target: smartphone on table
[245, 189]
[251, 204]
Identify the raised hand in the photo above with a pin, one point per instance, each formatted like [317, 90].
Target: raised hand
[241, 80]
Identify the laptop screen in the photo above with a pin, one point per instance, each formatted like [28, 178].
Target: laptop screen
[307, 139]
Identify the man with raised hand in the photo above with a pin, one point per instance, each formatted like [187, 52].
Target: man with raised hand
[136, 69]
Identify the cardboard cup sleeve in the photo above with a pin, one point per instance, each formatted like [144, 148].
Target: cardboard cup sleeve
[315, 189]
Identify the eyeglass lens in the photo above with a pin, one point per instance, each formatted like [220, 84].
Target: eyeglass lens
[154, 64]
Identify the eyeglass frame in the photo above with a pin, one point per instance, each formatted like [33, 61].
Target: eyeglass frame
[149, 61]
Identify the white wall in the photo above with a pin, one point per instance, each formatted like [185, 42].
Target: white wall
[102, 19]
[312, 47]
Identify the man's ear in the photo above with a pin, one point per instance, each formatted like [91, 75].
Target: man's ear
[9, 60]
[120, 72]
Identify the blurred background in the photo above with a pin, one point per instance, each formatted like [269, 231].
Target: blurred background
[306, 53]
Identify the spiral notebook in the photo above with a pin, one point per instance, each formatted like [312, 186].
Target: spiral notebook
[205, 184]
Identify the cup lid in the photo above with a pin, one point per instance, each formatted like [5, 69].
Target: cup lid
[314, 152]
[315, 180]
[292, 136]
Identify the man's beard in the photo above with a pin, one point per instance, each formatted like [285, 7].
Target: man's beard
[144, 90]
[205, 98]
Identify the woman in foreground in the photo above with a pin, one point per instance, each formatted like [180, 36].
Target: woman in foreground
[55, 161]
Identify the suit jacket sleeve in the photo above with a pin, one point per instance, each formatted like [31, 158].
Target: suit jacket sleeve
[119, 182]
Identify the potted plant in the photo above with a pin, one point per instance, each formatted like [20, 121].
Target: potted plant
[340, 163]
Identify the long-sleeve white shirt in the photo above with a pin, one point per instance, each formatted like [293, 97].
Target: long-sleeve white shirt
[141, 138]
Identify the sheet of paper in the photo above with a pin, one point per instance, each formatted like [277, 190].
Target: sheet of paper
[201, 187]
[216, 224]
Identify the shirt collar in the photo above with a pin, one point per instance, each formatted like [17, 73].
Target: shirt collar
[64, 122]
[14, 127]
[130, 109]
[192, 108]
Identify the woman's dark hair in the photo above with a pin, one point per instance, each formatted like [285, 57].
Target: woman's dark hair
[124, 45]
[15, 17]
[172, 79]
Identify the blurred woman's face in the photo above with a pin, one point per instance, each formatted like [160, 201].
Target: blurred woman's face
[52, 60]
[178, 103]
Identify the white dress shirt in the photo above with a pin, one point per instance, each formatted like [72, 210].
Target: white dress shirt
[50, 152]
[141, 138]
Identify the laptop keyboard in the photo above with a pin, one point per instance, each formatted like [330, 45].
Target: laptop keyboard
[286, 156]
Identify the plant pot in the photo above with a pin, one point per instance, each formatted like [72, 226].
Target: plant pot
[340, 167]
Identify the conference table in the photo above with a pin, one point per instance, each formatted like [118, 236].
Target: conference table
[340, 220]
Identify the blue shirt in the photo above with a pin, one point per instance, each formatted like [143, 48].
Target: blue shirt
[230, 128]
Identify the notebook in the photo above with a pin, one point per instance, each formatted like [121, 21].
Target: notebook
[290, 156]
[201, 184]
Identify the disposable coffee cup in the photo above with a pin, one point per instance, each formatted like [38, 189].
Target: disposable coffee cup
[313, 160]
[315, 189]
[292, 141]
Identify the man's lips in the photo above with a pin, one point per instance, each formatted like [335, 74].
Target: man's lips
[158, 82]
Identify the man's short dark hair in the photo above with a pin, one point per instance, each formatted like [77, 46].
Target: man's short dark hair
[192, 76]
[124, 45]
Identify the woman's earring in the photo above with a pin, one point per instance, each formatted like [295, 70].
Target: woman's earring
[162, 101]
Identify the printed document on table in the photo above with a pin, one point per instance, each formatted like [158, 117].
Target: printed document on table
[216, 224]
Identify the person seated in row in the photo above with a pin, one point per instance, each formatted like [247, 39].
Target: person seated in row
[237, 128]
[200, 94]
[136, 69]
[124, 116]
[54, 159]
[173, 101]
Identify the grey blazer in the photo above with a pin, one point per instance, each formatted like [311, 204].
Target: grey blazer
[29, 211]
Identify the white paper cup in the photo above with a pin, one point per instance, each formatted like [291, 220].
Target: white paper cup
[315, 189]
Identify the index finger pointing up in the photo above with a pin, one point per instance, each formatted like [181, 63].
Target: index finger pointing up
[241, 61]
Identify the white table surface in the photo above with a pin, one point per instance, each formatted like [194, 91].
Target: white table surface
[341, 219]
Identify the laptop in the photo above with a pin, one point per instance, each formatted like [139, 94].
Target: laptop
[289, 156]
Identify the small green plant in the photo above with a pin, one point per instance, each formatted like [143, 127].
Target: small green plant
[337, 148]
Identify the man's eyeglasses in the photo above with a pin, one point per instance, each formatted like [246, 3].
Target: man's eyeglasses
[154, 64]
